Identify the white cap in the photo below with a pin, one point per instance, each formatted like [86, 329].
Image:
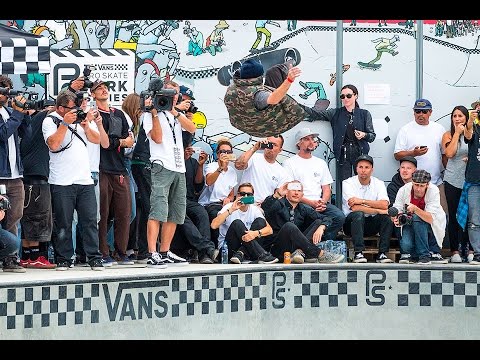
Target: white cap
[302, 133]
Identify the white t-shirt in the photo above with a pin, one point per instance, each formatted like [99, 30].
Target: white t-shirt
[220, 189]
[253, 212]
[313, 173]
[170, 151]
[71, 166]
[351, 187]
[12, 151]
[264, 176]
[413, 134]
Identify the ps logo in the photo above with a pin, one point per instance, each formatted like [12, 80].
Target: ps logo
[376, 277]
[63, 74]
[279, 279]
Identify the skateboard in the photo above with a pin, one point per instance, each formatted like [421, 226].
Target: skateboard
[333, 77]
[267, 58]
[373, 67]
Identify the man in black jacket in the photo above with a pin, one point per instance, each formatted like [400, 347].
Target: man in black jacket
[408, 165]
[297, 228]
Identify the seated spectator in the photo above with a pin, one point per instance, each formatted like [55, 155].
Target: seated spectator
[297, 228]
[420, 200]
[365, 203]
[242, 226]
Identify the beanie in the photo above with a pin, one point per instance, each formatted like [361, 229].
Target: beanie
[251, 69]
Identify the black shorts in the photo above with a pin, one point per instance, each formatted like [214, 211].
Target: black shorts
[36, 222]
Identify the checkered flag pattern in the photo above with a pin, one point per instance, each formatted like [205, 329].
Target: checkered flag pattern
[219, 294]
[438, 288]
[197, 74]
[121, 67]
[24, 55]
[325, 288]
[45, 306]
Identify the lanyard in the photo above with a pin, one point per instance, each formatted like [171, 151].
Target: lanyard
[172, 127]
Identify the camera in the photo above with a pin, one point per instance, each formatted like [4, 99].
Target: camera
[31, 97]
[192, 109]
[87, 70]
[268, 145]
[162, 99]
[246, 200]
[4, 203]
[404, 218]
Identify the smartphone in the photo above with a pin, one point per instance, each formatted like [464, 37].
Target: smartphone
[294, 186]
[247, 200]
[423, 146]
[268, 145]
[231, 157]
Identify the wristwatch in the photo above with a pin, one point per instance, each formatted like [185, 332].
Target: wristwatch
[178, 115]
[259, 234]
[219, 170]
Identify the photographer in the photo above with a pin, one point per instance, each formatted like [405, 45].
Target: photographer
[14, 124]
[421, 200]
[70, 180]
[9, 245]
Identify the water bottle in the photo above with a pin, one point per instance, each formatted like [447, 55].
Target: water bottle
[225, 252]
[51, 254]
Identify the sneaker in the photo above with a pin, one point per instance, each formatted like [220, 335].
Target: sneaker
[267, 258]
[108, 261]
[171, 259]
[475, 260]
[456, 258]
[133, 257]
[470, 258]
[359, 258]
[155, 261]
[12, 264]
[24, 263]
[192, 256]
[96, 265]
[384, 259]
[437, 258]
[311, 260]
[424, 261]
[406, 259]
[41, 263]
[81, 262]
[298, 257]
[124, 260]
[237, 257]
[63, 265]
[142, 259]
[327, 257]
[205, 259]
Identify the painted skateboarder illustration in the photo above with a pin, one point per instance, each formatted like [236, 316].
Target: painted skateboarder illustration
[333, 77]
[383, 45]
[260, 27]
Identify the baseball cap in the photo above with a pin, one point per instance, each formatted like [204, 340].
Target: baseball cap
[421, 177]
[364, 157]
[97, 83]
[410, 159]
[186, 91]
[422, 104]
[302, 133]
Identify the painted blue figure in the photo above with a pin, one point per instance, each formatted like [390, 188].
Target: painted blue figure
[313, 87]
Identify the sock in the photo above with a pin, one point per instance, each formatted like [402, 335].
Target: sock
[25, 253]
[34, 252]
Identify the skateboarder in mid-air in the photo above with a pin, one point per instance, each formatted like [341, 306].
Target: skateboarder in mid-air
[261, 110]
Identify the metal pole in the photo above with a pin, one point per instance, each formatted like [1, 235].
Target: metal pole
[419, 54]
[339, 82]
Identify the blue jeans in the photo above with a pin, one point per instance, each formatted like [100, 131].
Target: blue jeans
[473, 224]
[418, 239]
[9, 244]
[338, 218]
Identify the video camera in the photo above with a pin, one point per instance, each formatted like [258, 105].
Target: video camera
[404, 218]
[32, 102]
[87, 70]
[162, 99]
[81, 115]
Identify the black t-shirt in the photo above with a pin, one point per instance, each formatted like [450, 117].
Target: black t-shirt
[116, 126]
[191, 166]
[472, 172]
[34, 151]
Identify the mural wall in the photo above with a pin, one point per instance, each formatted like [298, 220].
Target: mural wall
[379, 58]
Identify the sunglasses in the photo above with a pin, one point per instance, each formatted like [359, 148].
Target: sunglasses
[243, 193]
[343, 96]
[421, 111]
[225, 151]
[69, 107]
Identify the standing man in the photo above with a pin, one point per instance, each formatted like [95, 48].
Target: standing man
[315, 176]
[71, 183]
[168, 198]
[114, 180]
[14, 123]
[422, 139]
[365, 203]
[262, 170]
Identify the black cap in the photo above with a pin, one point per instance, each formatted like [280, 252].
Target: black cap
[409, 159]
[364, 157]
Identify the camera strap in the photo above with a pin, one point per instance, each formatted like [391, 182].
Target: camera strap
[57, 121]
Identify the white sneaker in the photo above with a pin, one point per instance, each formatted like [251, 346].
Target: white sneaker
[456, 258]
[298, 257]
[470, 258]
[359, 258]
[173, 259]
